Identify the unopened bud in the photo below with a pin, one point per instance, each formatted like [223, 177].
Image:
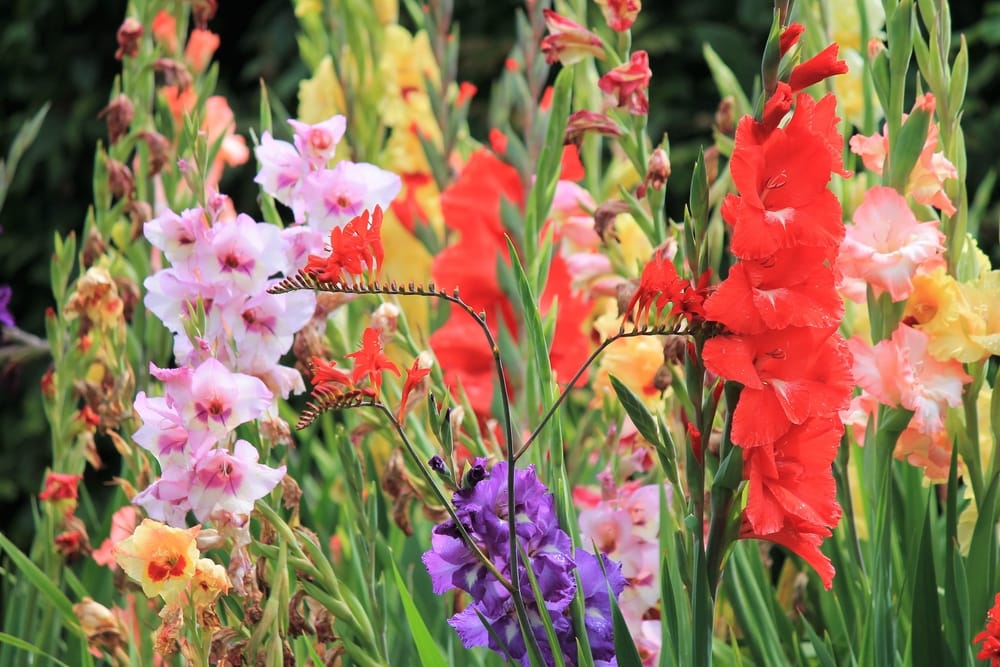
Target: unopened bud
[93, 247]
[663, 378]
[174, 73]
[139, 213]
[121, 183]
[658, 169]
[99, 625]
[208, 539]
[875, 47]
[159, 150]
[129, 34]
[118, 115]
[712, 163]
[291, 493]
[724, 116]
[584, 121]
[604, 218]
[203, 11]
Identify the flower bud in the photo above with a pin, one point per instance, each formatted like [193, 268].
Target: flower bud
[605, 215]
[658, 170]
[385, 319]
[724, 116]
[93, 247]
[121, 183]
[589, 121]
[118, 115]
[203, 11]
[159, 150]
[620, 14]
[99, 625]
[129, 34]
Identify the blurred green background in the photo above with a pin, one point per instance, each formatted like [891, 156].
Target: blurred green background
[62, 51]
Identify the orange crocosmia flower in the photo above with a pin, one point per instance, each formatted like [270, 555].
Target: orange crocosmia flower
[371, 360]
[793, 287]
[788, 376]
[414, 374]
[201, 46]
[355, 247]
[659, 285]
[326, 376]
[161, 558]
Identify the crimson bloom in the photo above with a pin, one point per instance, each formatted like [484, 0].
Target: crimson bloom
[326, 376]
[787, 377]
[990, 637]
[414, 375]
[620, 14]
[804, 540]
[659, 285]
[371, 360]
[60, 486]
[627, 84]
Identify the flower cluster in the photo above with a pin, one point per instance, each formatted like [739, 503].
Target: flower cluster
[625, 526]
[321, 197]
[222, 268]
[780, 308]
[482, 507]
[189, 432]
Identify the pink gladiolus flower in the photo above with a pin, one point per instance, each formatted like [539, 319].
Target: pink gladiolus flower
[317, 143]
[281, 168]
[123, 523]
[230, 482]
[620, 14]
[243, 254]
[178, 236]
[886, 245]
[333, 197]
[900, 371]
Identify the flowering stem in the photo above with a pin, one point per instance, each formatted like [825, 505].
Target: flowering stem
[580, 371]
[429, 478]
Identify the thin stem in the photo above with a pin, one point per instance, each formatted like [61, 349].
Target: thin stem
[580, 371]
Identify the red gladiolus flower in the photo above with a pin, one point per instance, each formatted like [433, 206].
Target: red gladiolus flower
[990, 637]
[60, 486]
[627, 84]
[790, 36]
[793, 287]
[570, 343]
[788, 376]
[466, 361]
[782, 179]
[791, 480]
[821, 66]
[804, 540]
[371, 360]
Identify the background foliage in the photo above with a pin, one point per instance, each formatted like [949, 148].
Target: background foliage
[61, 51]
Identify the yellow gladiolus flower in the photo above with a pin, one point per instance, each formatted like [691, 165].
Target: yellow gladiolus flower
[962, 319]
[162, 559]
[210, 581]
[321, 96]
[634, 361]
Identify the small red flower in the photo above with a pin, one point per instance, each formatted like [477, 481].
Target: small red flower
[371, 360]
[990, 637]
[60, 486]
[354, 248]
[414, 375]
[326, 376]
[627, 84]
[659, 285]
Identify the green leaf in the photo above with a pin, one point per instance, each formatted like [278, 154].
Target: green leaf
[625, 650]
[637, 411]
[533, 321]
[959, 76]
[823, 653]
[956, 630]
[726, 82]
[907, 148]
[748, 591]
[427, 650]
[25, 646]
[925, 636]
[40, 581]
[981, 565]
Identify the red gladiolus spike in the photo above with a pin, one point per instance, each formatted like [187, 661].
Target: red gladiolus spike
[370, 360]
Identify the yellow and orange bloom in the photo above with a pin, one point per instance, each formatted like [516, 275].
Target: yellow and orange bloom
[209, 582]
[161, 558]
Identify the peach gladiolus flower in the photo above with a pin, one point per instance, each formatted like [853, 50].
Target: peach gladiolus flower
[162, 559]
[201, 46]
[926, 180]
[122, 525]
[219, 122]
[210, 581]
[900, 371]
[886, 245]
[165, 31]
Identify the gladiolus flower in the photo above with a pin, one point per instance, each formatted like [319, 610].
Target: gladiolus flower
[568, 41]
[620, 14]
[162, 559]
[583, 121]
[990, 637]
[201, 46]
[209, 582]
[659, 285]
[627, 84]
[886, 245]
[60, 486]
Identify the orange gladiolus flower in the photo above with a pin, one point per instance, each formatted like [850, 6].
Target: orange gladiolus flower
[162, 559]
